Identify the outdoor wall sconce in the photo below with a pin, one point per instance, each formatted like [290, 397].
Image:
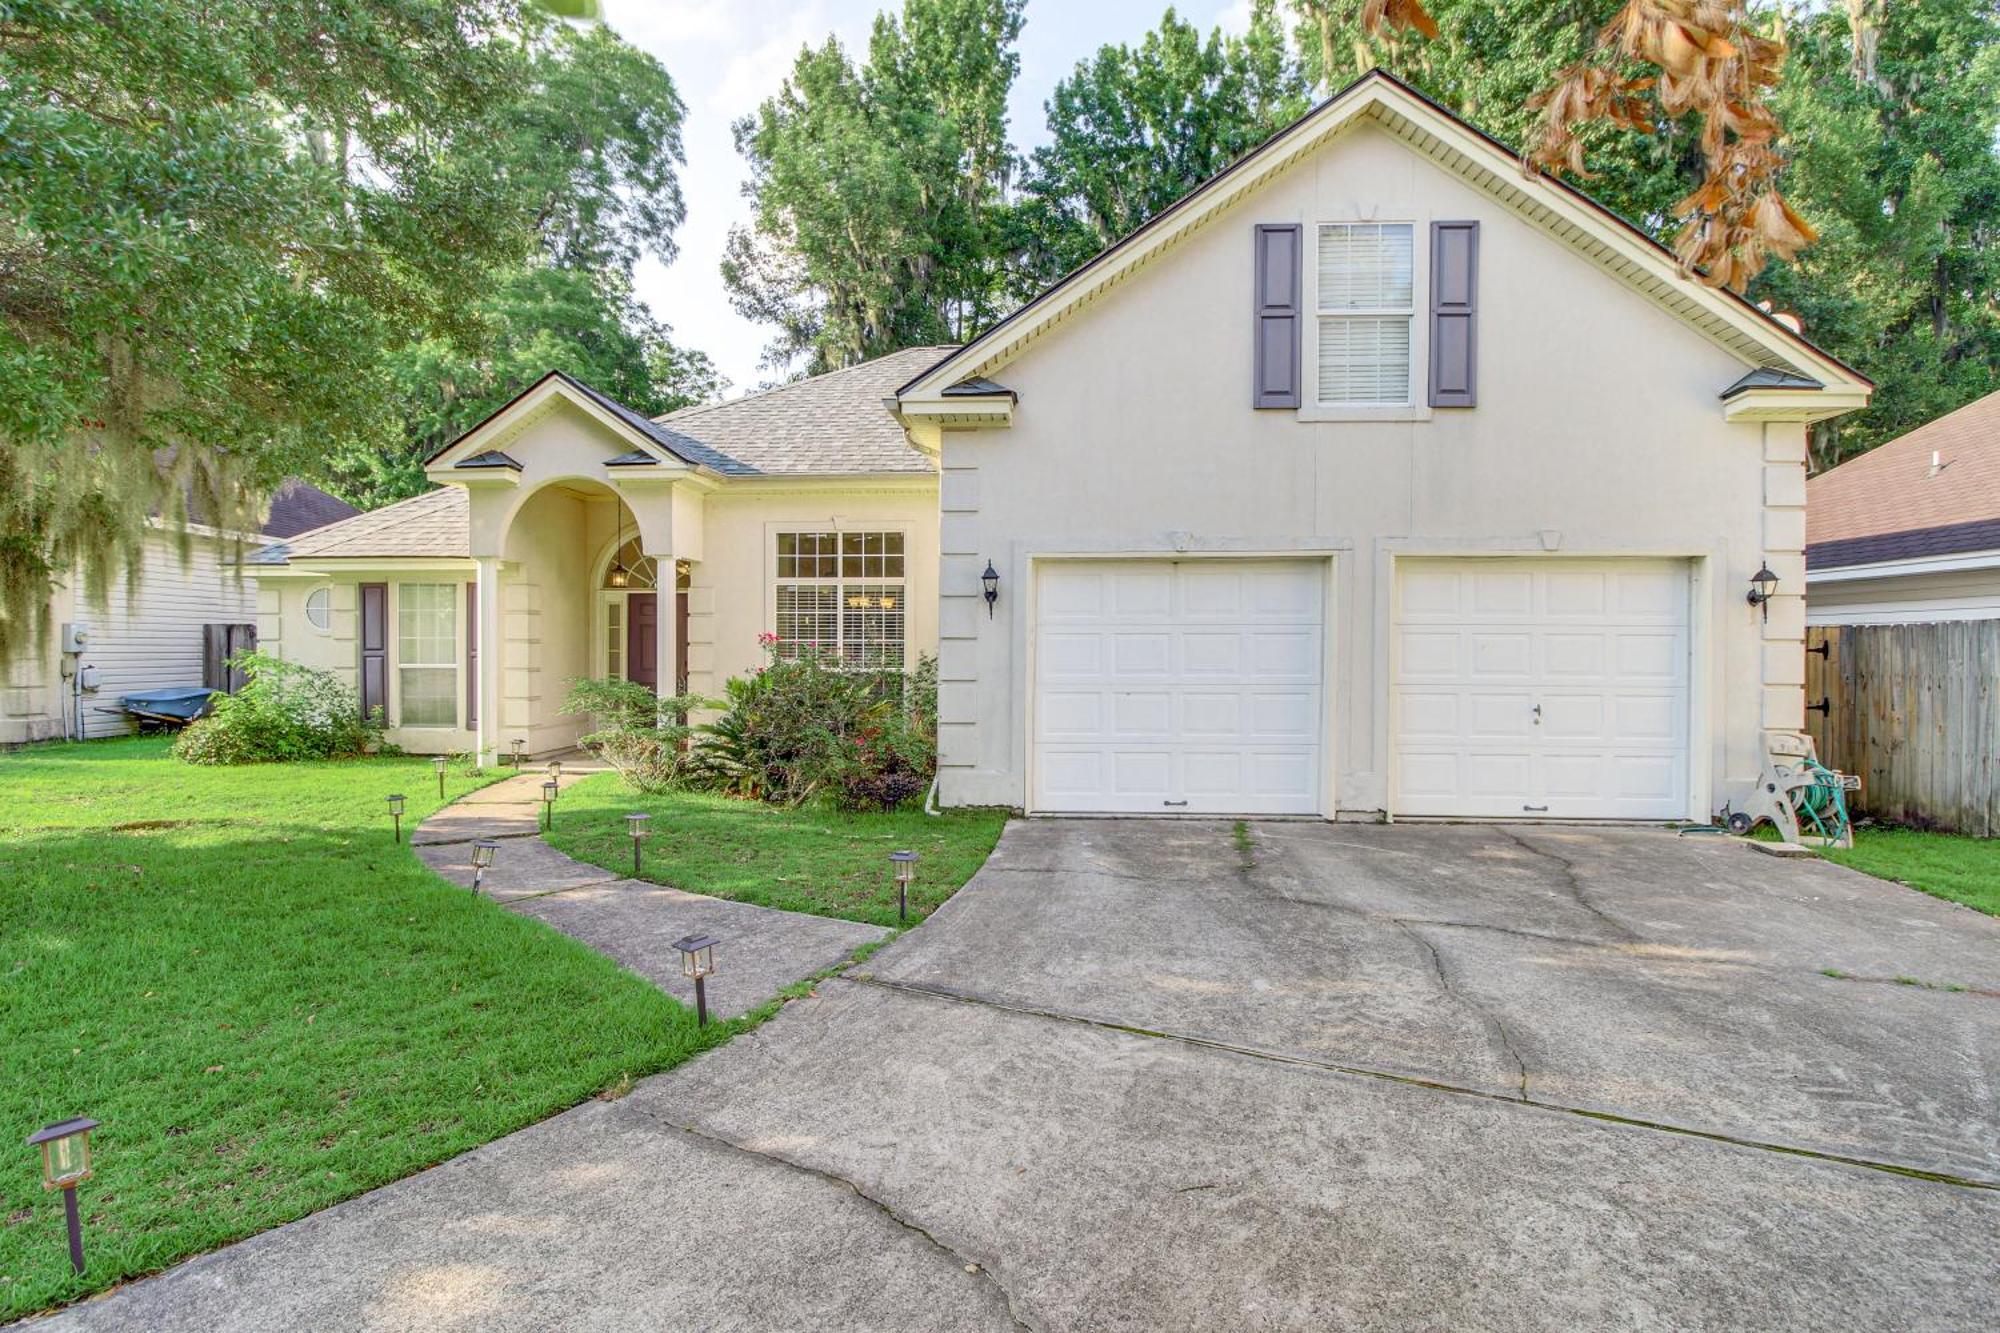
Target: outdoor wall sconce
[65, 1165]
[482, 858]
[548, 805]
[438, 762]
[698, 965]
[906, 871]
[396, 813]
[990, 581]
[1763, 586]
[635, 824]
[519, 745]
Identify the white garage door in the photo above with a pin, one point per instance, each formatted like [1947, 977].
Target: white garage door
[1178, 687]
[1542, 688]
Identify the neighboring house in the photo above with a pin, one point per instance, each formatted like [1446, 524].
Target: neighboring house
[1909, 532]
[1374, 477]
[572, 537]
[163, 631]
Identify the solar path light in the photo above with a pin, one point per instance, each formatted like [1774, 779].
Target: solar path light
[555, 769]
[548, 805]
[396, 813]
[482, 858]
[65, 1165]
[635, 824]
[698, 965]
[906, 871]
[438, 762]
[519, 745]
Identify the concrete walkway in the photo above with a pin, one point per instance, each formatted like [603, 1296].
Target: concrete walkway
[762, 950]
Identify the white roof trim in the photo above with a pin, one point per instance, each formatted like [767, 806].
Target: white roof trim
[1435, 133]
[1891, 569]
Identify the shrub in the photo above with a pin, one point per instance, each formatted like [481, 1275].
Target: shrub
[283, 712]
[643, 736]
[893, 761]
[788, 729]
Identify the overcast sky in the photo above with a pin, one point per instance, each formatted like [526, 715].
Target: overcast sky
[726, 56]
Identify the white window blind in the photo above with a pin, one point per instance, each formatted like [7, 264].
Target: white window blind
[427, 653]
[1366, 306]
[842, 594]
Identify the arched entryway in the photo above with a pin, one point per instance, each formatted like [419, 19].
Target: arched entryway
[629, 604]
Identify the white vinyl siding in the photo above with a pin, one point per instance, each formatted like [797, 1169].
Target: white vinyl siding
[1365, 308]
[843, 594]
[427, 654]
[151, 638]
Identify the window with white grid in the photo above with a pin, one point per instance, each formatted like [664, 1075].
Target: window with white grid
[427, 653]
[843, 594]
[1366, 307]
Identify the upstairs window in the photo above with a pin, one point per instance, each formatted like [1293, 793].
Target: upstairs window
[843, 595]
[1365, 308]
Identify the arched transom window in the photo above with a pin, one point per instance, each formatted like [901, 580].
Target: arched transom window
[631, 569]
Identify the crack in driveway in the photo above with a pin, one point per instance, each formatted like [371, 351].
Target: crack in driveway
[955, 995]
[1575, 882]
[1486, 1015]
[834, 1178]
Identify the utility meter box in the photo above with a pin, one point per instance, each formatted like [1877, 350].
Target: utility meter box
[75, 637]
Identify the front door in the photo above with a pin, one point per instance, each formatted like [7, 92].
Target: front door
[642, 639]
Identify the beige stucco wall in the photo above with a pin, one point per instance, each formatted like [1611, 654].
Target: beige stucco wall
[1598, 432]
[141, 637]
[548, 537]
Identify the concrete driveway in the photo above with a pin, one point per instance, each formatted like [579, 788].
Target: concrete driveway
[1166, 1075]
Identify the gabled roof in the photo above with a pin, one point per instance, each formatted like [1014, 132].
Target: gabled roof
[436, 523]
[1891, 503]
[1456, 145]
[297, 507]
[491, 458]
[836, 423]
[1768, 377]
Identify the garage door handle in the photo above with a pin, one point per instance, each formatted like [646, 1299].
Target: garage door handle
[1536, 809]
[1538, 715]
[1173, 802]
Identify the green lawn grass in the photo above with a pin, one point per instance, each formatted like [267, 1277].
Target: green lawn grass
[813, 860]
[1945, 865]
[268, 1004]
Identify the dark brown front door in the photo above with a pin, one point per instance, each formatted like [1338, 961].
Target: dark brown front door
[681, 642]
[642, 639]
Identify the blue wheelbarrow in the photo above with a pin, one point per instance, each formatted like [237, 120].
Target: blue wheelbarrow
[168, 709]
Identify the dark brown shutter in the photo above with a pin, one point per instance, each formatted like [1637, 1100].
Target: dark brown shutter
[472, 654]
[374, 649]
[1276, 315]
[1454, 314]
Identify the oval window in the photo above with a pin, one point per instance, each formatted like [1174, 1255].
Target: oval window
[319, 608]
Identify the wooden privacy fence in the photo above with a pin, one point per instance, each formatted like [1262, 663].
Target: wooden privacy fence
[1915, 710]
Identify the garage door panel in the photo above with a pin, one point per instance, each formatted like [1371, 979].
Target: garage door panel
[1199, 688]
[1602, 648]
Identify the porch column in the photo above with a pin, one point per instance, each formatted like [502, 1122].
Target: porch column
[664, 622]
[487, 736]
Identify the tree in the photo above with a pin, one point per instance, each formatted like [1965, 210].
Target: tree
[877, 189]
[591, 139]
[1135, 128]
[212, 220]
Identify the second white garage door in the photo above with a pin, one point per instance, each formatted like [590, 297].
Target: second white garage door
[1178, 687]
[1542, 688]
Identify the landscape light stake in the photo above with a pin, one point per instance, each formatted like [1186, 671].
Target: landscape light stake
[438, 762]
[698, 965]
[482, 857]
[519, 745]
[396, 813]
[555, 769]
[65, 1165]
[548, 805]
[906, 870]
[635, 824]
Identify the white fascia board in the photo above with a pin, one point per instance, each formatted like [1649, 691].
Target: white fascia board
[1891, 569]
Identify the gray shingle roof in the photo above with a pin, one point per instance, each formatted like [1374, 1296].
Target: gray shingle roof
[1770, 377]
[436, 523]
[831, 424]
[683, 447]
[297, 507]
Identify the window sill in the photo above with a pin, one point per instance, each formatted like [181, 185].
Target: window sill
[1405, 412]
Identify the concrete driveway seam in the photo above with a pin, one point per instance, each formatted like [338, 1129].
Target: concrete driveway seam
[983, 1269]
[958, 996]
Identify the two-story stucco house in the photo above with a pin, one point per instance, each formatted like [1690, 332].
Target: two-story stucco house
[1374, 477]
